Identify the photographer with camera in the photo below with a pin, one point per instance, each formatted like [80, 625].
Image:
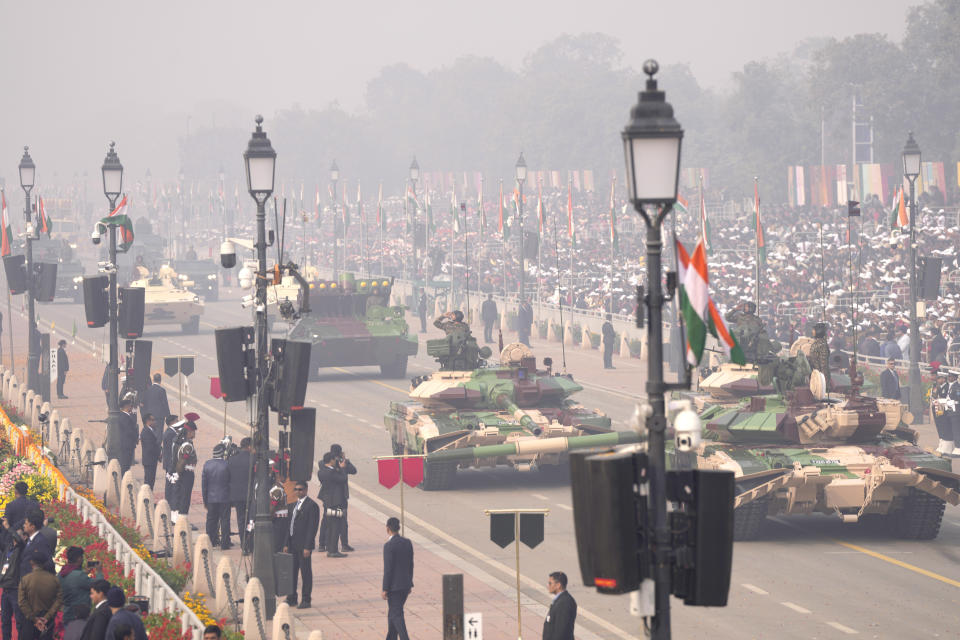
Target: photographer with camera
[336, 451]
[333, 493]
[75, 583]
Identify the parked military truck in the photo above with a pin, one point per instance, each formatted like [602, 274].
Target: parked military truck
[351, 323]
[469, 414]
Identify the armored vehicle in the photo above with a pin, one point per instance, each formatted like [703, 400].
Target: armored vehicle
[351, 323]
[69, 270]
[795, 449]
[204, 274]
[469, 414]
[168, 300]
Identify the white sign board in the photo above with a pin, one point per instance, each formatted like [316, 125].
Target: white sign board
[473, 626]
[53, 364]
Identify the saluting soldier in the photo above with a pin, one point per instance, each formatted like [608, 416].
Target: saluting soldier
[451, 322]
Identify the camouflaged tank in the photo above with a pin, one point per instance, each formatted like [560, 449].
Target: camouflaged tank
[796, 450]
[469, 414]
[351, 323]
[167, 299]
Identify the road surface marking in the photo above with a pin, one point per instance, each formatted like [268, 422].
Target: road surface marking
[840, 627]
[565, 507]
[539, 496]
[795, 607]
[878, 556]
[843, 553]
[382, 384]
[755, 589]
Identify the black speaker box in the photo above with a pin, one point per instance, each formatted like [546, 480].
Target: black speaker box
[142, 353]
[46, 281]
[130, 309]
[291, 387]
[929, 285]
[303, 424]
[231, 362]
[16, 271]
[95, 300]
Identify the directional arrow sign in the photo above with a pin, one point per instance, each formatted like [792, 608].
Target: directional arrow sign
[473, 625]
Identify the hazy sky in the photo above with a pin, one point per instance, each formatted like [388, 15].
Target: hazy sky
[78, 74]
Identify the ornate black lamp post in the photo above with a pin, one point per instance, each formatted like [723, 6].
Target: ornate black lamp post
[911, 169]
[28, 174]
[112, 172]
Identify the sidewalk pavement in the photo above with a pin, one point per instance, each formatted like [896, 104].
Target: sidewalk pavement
[346, 594]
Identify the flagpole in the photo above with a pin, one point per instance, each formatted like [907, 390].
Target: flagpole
[756, 215]
[380, 224]
[466, 259]
[823, 282]
[613, 234]
[503, 246]
[539, 246]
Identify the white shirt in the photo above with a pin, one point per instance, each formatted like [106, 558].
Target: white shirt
[296, 510]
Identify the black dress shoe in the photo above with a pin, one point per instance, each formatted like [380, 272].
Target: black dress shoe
[336, 554]
[292, 602]
[347, 547]
[321, 549]
[303, 605]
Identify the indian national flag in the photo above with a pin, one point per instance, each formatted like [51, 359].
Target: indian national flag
[483, 214]
[44, 220]
[500, 206]
[613, 215]
[5, 232]
[761, 245]
[455, 212]
[118, 218]
[898, 215]
[699, 311]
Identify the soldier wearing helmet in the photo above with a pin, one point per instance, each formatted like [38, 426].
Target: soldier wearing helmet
[452, 322]
[819, 356]
[750, 333]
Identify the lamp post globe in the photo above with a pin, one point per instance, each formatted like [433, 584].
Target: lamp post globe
[28, 174]
[260, 164]
[414, 171]
[521, 169]
[112, 172]
[651, 144]
[334, 172]
[911, 169]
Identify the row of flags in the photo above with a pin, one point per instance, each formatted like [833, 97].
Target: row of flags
[44, 224]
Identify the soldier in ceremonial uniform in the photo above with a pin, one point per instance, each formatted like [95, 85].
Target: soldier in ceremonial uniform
[820, 351]
[939, 404]
[953, 395]
[452, 322]
[167, 459]
[280, 512]
[186, 464]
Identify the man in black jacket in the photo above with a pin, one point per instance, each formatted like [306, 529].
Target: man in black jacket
[129, 436]
[488, 314]
[609, 342]
[17, 510]
[96, 626]
[524, 321]
[337, 452]
[333, 494]
[890, 381]
[422, 310]
[239, 466]
[150, 449]
[168, 457]
[397, 579]
[215, 487]
[563, 610]
[155, 401]
[10, 582]
[63, 365]
[304, 521]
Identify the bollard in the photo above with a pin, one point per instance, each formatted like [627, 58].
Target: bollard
[100, 476]
[182, 542]
[54, 440]
[254, 613]
[453, 606]
[26, 401]
[585, 341]
[283, 618]
[624, 346]
[145, 508]
[316, 634]
[129, 488]
[552, 332]
[227, 588]
[567, 335]
[163, 529]
[112, 496]
[203, 566]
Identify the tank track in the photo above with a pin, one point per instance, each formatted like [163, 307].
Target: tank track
[748, 519]
[438, 476]
[919, 518]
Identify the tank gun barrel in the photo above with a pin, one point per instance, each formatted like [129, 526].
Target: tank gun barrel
[504, 402]
[526, 446]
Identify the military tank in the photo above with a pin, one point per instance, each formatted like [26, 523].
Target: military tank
[351, 323]
[168, 300]
[469, 414]
[797, 449]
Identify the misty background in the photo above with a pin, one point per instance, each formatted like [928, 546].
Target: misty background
[467, 87]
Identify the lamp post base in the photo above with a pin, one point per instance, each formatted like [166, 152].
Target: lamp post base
[263, 552]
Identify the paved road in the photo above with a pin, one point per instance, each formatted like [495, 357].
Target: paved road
[809, 578]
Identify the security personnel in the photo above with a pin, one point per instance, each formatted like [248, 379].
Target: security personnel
[939, 403]
[953, 394]
[167, 459]
[280, 511]
[820, 351]
[186, 466]
[215, 488]
[452, 322]
[333, 494]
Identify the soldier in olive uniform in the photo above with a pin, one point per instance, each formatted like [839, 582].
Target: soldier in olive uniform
[452, 322]
[820, 351]
[750, 333]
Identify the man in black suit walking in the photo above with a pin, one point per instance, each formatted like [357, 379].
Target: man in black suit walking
[63, 365]
[155, 401]
[563, 610]
[239, 466]
[397, 579]
[150, 449]
[304, 522]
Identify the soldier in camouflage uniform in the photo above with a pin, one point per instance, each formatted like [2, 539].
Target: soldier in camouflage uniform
[750, 333]
[820, 351]
[452, 322]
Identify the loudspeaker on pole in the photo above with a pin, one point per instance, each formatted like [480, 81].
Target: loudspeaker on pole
[95, 301]
[130, 310]
[302, 432]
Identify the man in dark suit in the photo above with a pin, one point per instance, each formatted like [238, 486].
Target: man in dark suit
[239, 466]
[17, 510]
[488, 314]
[609, 341]
[129, 436]
[63, 365]
[96, 626]
[337, 452]
[215, 488]
[397, 579]
[333, 494]
[304, 522]
[168, 457]
[34, 541]
[155, 401]
[563, 610]
[890, 381]
[150, 449]
[524, 321]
